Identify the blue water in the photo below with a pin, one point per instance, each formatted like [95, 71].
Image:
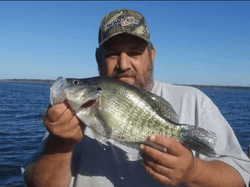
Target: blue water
[22, 106]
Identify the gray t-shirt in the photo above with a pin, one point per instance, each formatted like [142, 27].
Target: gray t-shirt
[99, 165]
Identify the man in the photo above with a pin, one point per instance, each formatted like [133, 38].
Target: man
[70, 156]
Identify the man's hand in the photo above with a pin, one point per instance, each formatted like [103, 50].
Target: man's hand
[171, 168]
[53, 168]
[179, 166]
[63, 125]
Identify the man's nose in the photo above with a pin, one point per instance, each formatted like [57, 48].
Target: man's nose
[124, 61]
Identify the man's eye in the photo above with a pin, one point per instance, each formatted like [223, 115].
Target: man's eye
[110, 55]
[133, 53]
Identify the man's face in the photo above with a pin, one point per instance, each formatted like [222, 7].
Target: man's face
[127, 58]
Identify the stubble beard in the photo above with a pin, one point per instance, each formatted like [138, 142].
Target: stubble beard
[144, 82]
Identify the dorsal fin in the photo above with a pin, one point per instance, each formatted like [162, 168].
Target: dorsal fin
[165, 108]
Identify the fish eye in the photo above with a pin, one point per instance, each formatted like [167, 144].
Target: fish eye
[76, 82]
[99, 89]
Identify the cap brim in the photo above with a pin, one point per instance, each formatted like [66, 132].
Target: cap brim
[123, 32]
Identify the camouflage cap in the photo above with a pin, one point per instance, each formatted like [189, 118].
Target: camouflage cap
[123, 21]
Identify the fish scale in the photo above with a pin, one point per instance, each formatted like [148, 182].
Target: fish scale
[151, 124]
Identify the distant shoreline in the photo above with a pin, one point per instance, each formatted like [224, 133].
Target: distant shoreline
[50, 81]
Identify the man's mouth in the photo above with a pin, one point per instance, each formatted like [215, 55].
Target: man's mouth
[125, 74]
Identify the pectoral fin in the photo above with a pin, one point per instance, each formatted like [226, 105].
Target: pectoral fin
[109, 119]
[100, 139]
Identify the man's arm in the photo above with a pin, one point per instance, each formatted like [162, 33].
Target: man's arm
[178, 166]
[53, 168]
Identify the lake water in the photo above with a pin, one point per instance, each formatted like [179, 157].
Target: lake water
[22, 106]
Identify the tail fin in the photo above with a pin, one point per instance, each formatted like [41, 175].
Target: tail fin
[199, 139]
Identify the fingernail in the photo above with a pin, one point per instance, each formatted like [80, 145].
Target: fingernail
[141, 146]
[152, 138]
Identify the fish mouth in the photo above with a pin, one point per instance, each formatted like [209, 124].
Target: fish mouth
[80, 100]
[87, 107]
[90, 103]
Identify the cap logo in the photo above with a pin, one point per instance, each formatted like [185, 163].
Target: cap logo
[123, 22]
[129, 20]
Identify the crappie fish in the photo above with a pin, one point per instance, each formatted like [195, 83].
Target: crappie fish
[116, 110]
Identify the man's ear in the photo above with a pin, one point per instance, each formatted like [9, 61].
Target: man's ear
[153, 54]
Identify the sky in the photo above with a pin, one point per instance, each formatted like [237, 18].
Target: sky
[196, 42]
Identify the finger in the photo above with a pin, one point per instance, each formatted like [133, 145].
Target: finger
[69, 124]
[158, 157]
[56, 111]
[159, 177]
[66, 117]
[68, 128]
[73, 123]
[78, 132]
[67, 120]
[173, 147]
[157, 167]
[61, 123]
[164, 173]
